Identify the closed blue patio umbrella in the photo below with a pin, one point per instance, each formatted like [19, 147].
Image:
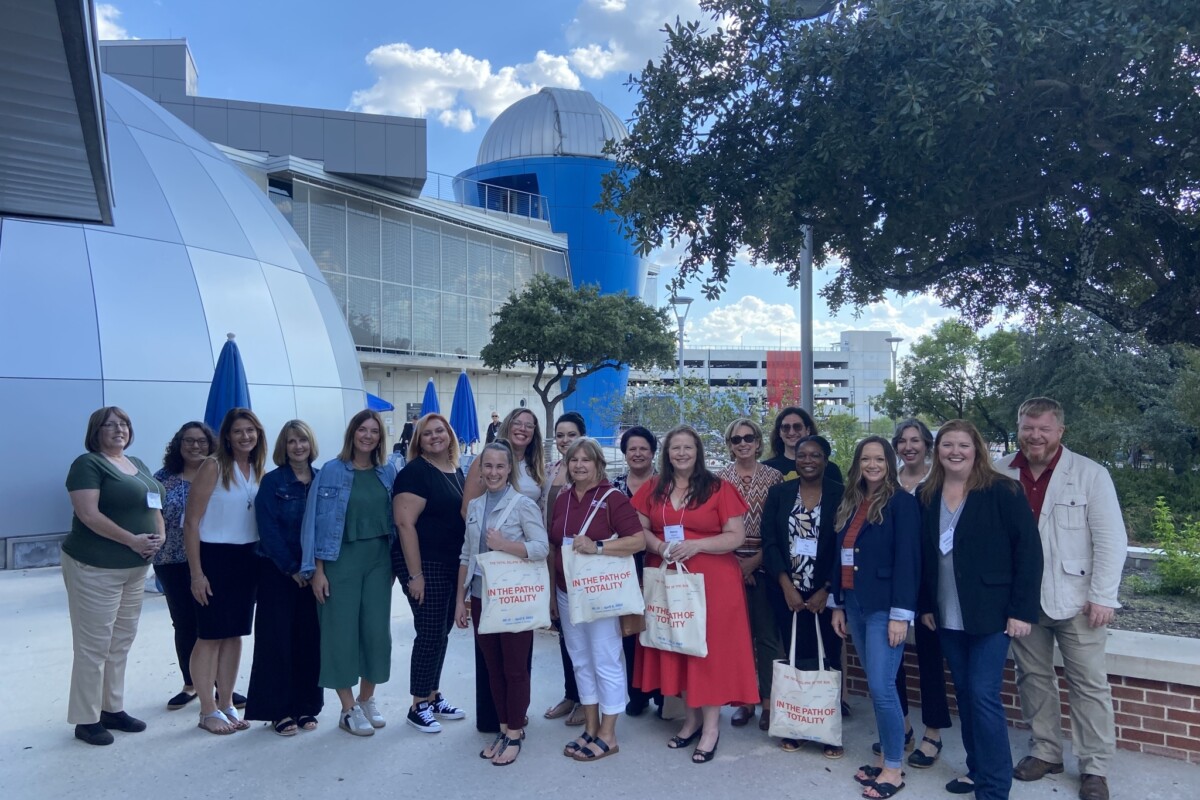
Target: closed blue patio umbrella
[376, 403]
[229, 388]
[429, 404]
[463, 418]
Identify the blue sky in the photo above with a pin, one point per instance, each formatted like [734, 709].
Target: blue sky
[459, 64]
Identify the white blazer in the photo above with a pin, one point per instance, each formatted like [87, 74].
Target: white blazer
[523, 523]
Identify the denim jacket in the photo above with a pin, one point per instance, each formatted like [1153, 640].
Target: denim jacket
[325, 512]
[279, 509]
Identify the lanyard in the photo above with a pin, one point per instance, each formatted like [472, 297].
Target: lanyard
[587, 522]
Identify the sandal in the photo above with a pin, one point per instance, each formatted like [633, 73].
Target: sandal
[494, 747]
[307, 722]
[704, 756]
[286, 727]
[237, 723]
[678, 742]
[216, 723]
[922, 760]
[576, 717]
[869, 774]
[507, 744]
[882, 790]
[560, 709]
[790, 745]
[587, 754]
[574, 746]
[833, 751]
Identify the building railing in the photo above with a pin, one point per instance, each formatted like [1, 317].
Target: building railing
[511, 203]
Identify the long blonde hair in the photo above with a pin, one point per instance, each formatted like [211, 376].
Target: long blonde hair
[856, 485]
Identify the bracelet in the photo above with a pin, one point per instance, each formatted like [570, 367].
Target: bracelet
[412, 578]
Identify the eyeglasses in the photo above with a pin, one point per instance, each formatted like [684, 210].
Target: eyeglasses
[793, 427]
[524, 426]
[748, 439]
[115, 426]
[190, 442]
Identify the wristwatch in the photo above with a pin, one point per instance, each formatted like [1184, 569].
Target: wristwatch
[599, 548]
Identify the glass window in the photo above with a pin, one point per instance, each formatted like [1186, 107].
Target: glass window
[327, 231]
[427, 272]
[524, 267]
[363, 240]
[454, 324]
[299, 218]
[364, 316]
[454, 264]
[502, 272]
[337, 284]
[397, 317]
[479, 324]
[479, 267]
[397, 249]
[426, 327]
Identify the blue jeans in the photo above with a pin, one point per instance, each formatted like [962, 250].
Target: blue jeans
[880, 660]
[977, 665]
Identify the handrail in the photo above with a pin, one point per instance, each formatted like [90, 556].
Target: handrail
[486, 197]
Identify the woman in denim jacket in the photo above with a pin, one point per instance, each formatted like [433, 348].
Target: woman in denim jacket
[345, 541]
[519, 530]
[287, 636]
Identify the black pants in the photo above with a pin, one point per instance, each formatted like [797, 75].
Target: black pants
[935, 709]
[176, 580]
[287, 650]
[433, 618]
[806, 638]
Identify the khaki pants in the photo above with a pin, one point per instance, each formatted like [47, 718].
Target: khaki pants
[105, 605]
[1092, 726]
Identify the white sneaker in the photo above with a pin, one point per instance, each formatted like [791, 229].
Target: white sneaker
[371, 712]
[355, 722]
[422, 719]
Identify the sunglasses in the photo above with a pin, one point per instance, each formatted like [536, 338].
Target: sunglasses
[793, 427]
[748, 439]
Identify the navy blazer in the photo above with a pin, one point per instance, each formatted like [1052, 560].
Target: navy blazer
[776, 530]
[887, 558]
[997, 558]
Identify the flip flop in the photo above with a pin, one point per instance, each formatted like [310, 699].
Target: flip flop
[585, 754]
[560, 709]
[234, 720]
[576, 717]
[218, 718]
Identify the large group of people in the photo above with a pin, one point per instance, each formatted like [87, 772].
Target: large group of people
[923, 540]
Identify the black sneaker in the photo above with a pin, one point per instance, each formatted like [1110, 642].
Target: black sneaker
[443, 710]
[95, 733]
[422, 719]
[121, 721]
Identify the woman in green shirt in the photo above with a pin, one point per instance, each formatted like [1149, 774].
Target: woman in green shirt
[116, 529]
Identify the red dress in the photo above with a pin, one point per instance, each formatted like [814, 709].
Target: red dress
[726, 675]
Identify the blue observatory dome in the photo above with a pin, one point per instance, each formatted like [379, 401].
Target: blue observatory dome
[552, 144]
[135, 314]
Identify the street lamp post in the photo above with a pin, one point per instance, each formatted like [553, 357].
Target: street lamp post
[894, 341]
[680, 305]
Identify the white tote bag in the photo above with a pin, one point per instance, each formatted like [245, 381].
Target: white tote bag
[599, 586]
[676, 611]
[516, 591]
[806, 704]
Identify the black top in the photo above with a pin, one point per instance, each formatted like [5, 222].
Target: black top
[776, 536]
[997, 558]
[440, 527]
[787, 468]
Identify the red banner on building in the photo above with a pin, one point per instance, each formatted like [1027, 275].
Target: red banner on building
[783, 378]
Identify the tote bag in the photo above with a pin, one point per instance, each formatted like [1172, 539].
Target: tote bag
[806, 704]
[676, 611]
[600, 586]
[516, 591]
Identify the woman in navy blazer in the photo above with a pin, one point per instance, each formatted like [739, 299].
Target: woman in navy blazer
[875, 580]
[981, 583]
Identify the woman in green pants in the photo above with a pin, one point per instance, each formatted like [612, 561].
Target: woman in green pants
[346, 540]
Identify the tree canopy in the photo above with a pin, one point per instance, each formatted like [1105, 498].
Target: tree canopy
[567, 334]
[1000, 153]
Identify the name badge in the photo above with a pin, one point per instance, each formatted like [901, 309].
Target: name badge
[847, 556]
[673, 533]
[804, 547]
[946, 541]
[153, 500]
[568, 541]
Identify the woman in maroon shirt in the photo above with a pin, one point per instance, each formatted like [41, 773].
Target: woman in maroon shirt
[593, 518]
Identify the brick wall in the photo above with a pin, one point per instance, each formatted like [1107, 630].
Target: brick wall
[1154, 717]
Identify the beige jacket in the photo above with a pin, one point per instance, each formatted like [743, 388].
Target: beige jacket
[1083, 536]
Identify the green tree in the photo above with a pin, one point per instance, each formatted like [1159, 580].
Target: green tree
[655, 405]
[955, 373]
[1004, 154]
[566, 334]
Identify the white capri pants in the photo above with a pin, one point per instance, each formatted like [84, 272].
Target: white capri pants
[595, 650]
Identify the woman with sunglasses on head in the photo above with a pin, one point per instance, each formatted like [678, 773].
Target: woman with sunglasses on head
[792, 424]
[874, 593]
[914, 445]
[186, 451]
[753, 480]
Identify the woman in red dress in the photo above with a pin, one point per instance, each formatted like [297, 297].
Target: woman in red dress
[691, 516]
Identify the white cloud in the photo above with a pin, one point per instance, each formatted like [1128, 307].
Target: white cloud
[106, 23]
[456, 88]
[613, 35]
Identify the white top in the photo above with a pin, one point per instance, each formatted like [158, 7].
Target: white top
[229, 517]
[527, 485]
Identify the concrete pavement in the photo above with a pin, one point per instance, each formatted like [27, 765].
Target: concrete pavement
[39, 758]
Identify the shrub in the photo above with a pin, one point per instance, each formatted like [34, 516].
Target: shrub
[1179, 567]
[1138, 489]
